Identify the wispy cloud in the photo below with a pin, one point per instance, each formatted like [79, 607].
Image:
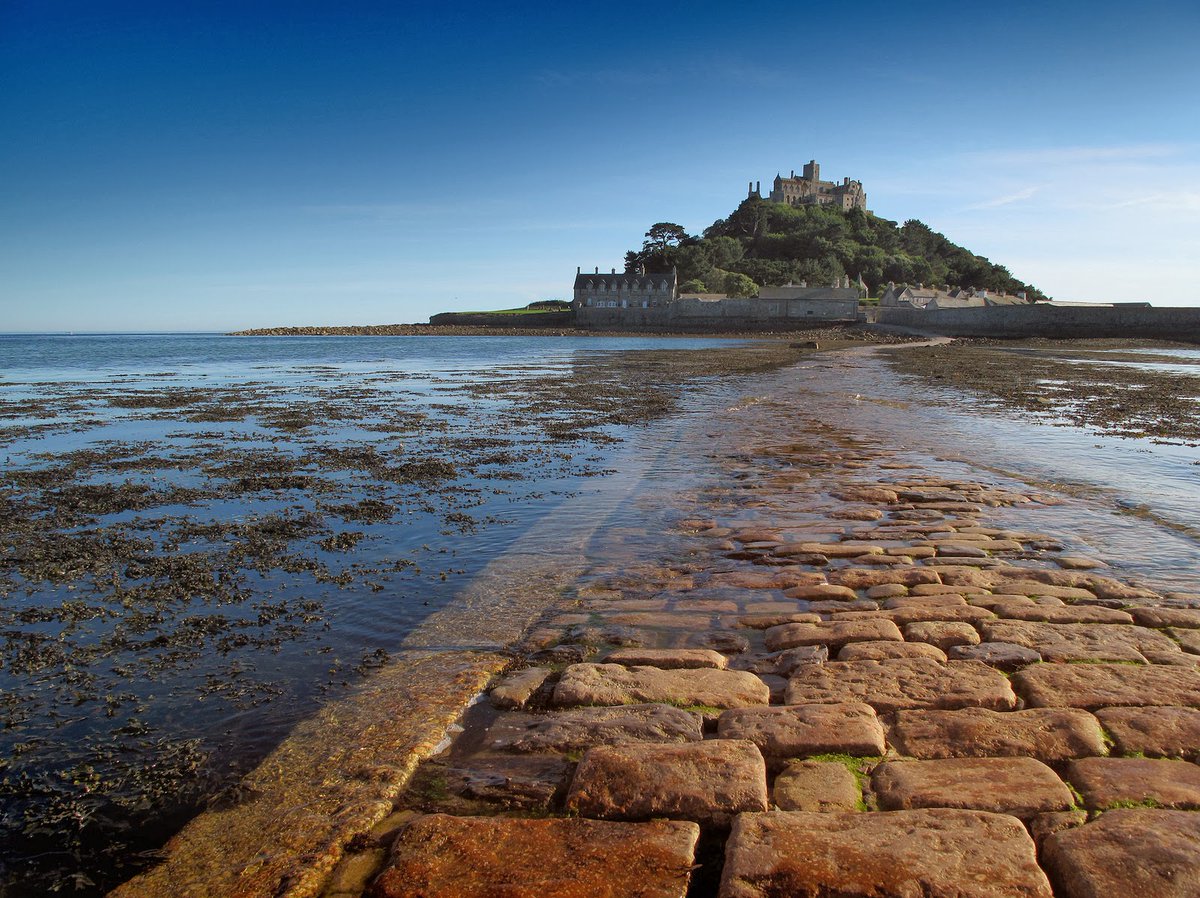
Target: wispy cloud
[1007, 199]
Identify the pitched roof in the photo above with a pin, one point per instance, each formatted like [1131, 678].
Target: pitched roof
[625, 280]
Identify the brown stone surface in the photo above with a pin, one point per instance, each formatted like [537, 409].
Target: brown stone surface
[488, 857]
[902, 854]
[877, 651]
[1022, 787]
[1167, 617]
[1047, 734]
[1109, 782]
[816, 786]
[964, 613]
[789, 661]
[943, 634]
[922, 601]
[1157, 732]
[861, 578]
[1188, 639]
[668, 659]
[797, 731]
[1092, 686]
[614, 684]
[1079, 642]
[894, 684]
[517, 688]
[1137, 852]
[1062, 614]
[817, 591]
[703, 781]
[578, 729]
[1045, 825]
[834, 634]
[1000, 655]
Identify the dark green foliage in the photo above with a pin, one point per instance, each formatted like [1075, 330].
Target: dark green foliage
[774, 243]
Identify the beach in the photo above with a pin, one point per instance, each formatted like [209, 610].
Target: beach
[828, 492]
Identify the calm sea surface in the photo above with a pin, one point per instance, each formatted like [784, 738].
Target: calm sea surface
[208, 536]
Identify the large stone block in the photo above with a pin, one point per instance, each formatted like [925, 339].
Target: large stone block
[1092, 686]
[1135, 852]
[901, 854]
[1112, 782]
[816, 786]
[486, 857]
[578, 729]
[1022, 787]
[834, 634]
[1080, 642]
[1155, 732]
[614, 684]
[798, 731]
[896, 684]
[1048, 734]
[705, 781]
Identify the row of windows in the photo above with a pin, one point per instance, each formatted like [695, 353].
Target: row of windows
[623, 286]
[613, 304]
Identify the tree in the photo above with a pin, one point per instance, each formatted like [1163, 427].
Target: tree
[739, 285]
[663, 236]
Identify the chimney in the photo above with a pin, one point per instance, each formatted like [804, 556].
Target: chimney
[793, 173]
[578, 269]
[597, 269]
[614, 271]
[758, 187]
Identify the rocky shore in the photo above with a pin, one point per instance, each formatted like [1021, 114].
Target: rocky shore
[835, 333]
[836, 673]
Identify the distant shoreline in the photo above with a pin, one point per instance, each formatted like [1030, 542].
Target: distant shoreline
[834, 332]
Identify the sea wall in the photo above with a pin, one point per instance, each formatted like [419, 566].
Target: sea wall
[492, 319]
[721, 315]
[1043, 320]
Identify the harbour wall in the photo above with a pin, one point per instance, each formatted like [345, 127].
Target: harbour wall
[1042, 320]
[721, 315]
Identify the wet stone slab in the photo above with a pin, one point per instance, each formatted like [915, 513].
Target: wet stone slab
[1156, 732]
[473, 857]
[816, 786]
[518, 687]
[1112, 782]
[834, 634]
[1092, 686]
[1047, 734]
[1066, 614]
[878, 651]
[896, 684]
[1080, 642]
[1000, 655]
[942, 634]
[1136, 852]
[901, 854]
[614, 684]
[579, 729]
[797, 731]
[706, 782]
[668, 659]
[1022, 787]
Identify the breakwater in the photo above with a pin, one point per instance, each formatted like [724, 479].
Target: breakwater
[1056, 322]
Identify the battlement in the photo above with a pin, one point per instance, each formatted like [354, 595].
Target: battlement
[809, 190]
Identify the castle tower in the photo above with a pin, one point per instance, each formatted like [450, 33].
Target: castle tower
[812, 171]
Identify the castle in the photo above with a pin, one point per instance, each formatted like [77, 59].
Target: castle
[810, 190]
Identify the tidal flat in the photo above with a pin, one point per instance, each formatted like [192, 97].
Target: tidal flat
[200, 550]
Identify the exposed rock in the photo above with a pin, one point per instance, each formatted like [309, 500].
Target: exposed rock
[925, 601]
[1157, 732]
[1062, 614]
[668, 659]
[834, 634]
[943, 634]
[902, 854]
[526, 782]
[816, 786]
[613, 684]
[798, 731]
[818, 591]
[567, 653]
[703, 781]
[518, 687]
[895, 684]
[887, 591]
[1111, 782]
[1022, 787]
[1092, 686]
[1000, 655]
[579, 729]
[1134, 852]
[1157, 616]
[719, 641]
[1188, 639]
[1079, 642]
[877, 651]
[1048, 734]
[789, 661]
[483, 857]
[766, 620]
[1042, 826]
[865, 578]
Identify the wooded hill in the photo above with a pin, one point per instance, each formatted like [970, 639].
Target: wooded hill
[768, 244]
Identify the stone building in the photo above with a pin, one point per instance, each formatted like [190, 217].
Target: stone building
[627, 290]
[945, 297]
[810, 190]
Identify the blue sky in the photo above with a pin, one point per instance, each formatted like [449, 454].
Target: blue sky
[212, 165]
